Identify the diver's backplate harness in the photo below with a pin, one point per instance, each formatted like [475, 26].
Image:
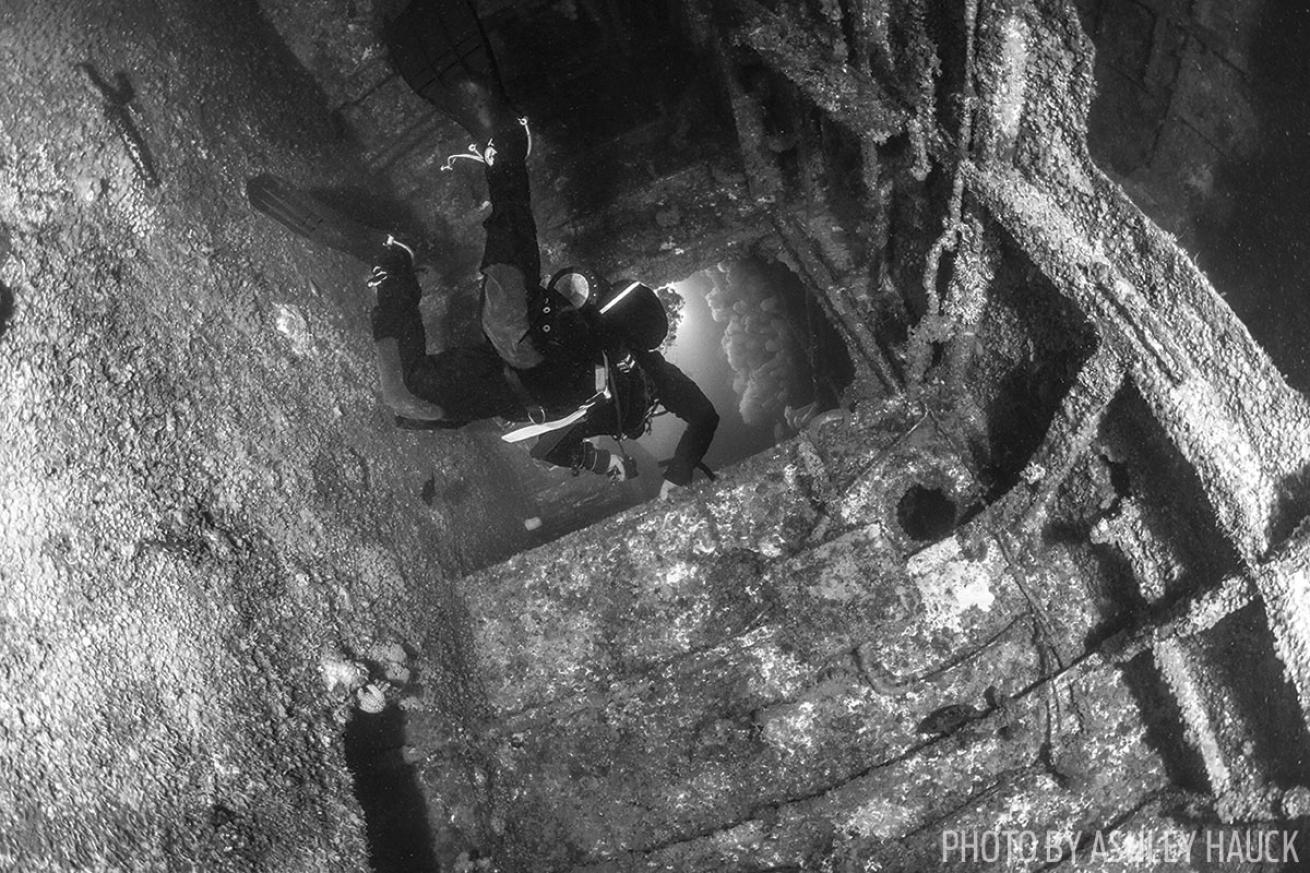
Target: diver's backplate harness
[606, 389]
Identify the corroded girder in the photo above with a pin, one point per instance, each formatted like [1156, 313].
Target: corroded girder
[854, 101]
[1213, 389]
[763, 177]
[1204, 408]
[1238, 780]
[834, 299]
[1071, 432]
[1214, 722]
[1211, 718]
[1284, 584]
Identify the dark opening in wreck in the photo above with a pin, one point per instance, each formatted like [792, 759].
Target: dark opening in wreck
[925, 514]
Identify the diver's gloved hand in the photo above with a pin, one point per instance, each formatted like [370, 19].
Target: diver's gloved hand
[667, 489]
[395, 258]
[621, 468]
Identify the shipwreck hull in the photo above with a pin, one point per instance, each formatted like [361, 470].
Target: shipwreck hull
[678, 690]
[1043, 570]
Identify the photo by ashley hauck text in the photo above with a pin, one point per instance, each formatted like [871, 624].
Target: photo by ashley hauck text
[1149, 848]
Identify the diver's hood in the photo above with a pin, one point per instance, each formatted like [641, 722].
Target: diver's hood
[633, 310]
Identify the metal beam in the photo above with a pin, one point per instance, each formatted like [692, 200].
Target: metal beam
[834, 299]
[854, 101]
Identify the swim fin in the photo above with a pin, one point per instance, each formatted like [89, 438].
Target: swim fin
[441, 51]
[305, 215]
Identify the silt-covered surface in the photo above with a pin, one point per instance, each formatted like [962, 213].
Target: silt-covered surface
[202, 498]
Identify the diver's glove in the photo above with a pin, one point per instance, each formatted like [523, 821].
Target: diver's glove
[617, 467]
[396, 257]
[667, 489]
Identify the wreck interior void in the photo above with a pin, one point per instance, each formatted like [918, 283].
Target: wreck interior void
[1011, 295]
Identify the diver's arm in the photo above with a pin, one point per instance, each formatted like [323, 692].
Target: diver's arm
[683, 397]
[570, 448]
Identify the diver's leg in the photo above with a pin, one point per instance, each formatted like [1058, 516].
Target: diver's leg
[511, 229]
[505, 316]
[440, 50]
[398, 336]
[511, 263]
[457, 385]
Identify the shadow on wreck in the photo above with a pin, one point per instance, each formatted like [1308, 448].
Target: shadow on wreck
[400, 838]
[6, 308]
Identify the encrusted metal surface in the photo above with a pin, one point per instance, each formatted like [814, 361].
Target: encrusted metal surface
[1028, 591]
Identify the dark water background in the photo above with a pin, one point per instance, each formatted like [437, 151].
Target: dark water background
[1257, 253]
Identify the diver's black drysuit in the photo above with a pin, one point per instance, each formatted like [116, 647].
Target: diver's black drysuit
[510, 375]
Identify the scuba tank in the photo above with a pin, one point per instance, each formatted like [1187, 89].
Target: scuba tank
[579, 320]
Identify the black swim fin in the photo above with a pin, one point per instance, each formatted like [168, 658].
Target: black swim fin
[305, 215]
[441, 51]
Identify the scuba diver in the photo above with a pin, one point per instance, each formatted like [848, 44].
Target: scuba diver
[571, 360]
